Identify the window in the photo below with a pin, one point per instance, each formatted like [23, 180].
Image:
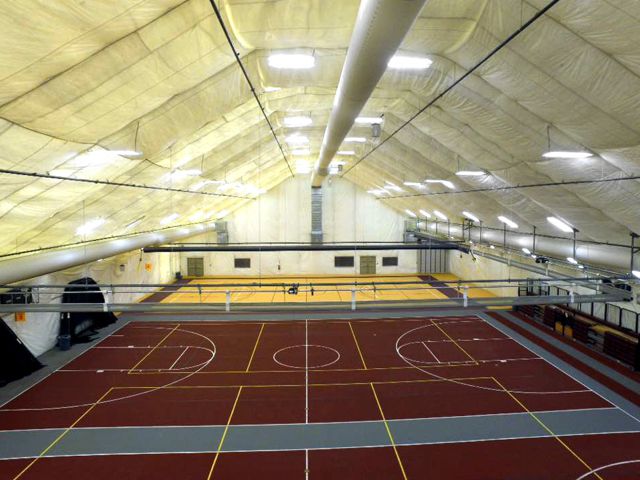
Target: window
[343, 261]
[242, 263]
[389, 261]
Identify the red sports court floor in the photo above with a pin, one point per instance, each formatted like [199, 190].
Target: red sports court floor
[445, 397]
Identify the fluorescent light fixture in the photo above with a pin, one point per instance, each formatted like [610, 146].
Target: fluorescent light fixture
[378, 191]
[440, 215]
[300, 152]
[410, 213]
[296, 61]
[471, 216]
[425, 214]
[134, 223]
[414, 184]
[126, 153]
[446, 183]
[581, 267]
[636, 273]
[272, 89]
[346, 152]
[392, 186]
[526, 250]
[222, 214]
[90, 226]
[508, 221]
[334, 169]
[196, 216]
[169, 219]
[565, 154]
[470, 173]
[404, 62]
[299, 121]
[369, 120]
[572, 260]
[355, 140]
[297, 139]
[556, 222]
[180, 174]
[492, 247]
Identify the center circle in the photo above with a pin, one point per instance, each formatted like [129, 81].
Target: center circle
[298, 356]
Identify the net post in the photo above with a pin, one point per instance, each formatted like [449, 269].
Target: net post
[227, 306]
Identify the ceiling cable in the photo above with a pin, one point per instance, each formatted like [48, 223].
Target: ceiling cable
[236, 54]
[114, 184]
[500, 46]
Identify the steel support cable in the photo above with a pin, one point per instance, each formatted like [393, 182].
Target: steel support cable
[236, 54]
[515, 187]
[115, 184]
[499, 47]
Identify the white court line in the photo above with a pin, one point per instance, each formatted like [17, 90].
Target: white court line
[179, 357]
[306, 463]
[306, 371]
[483, 318]
[617, 464]
[432, 354]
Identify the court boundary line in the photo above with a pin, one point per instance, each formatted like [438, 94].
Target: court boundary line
[224, 435]
[153, 349]
[355, 339]
[255, 347]
[386, 425]
[543, 425]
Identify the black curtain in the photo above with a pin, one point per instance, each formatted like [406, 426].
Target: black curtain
[17, 360]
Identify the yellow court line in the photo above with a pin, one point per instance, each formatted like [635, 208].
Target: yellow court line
[224, 434]
[589, 468]
[255, 347]
[152, 350]
[386, 425]
[297, 385]
[59, 437]
[355, 339]
[456, 343]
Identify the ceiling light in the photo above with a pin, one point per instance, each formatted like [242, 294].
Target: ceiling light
[272, 89]
[90, 226]
[296, 139]
[196, 216]
[134, 223]
[355, 140]
[425, 214]
[377, 191]
[556, 222]
[334, 169]
[471, 216]
[409, 63]
[581, 267]
[470, 173]
[301, 151]
[492, 247]
[222, 214]
[446, 183]
[346, 152]
[440, 215]
[392, 186]
[126, 153]
[169, 218]
[295, 61]
[563, 154]
[299, 121]
[410, 213]
[369, 120]
[572, 260]
[526, 250]
[636, 273]
[508, 221]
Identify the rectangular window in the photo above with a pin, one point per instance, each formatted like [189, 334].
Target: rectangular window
[343, 261]
[389, 261]
[242, 263]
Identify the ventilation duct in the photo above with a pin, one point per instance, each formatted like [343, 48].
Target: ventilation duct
[316, 215]
[380, 27]
[49, 261]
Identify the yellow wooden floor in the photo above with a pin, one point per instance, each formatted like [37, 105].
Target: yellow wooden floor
[215, 289]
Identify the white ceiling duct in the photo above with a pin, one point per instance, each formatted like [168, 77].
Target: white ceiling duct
[42, 263]
[380, 27]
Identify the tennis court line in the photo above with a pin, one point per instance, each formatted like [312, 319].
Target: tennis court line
[455, 343]
[386, 426]
[355, 339]
[224, 434]
[59, 437]
[543, 425]
[255, 347]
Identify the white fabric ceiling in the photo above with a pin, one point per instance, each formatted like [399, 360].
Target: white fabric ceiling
[157, 76]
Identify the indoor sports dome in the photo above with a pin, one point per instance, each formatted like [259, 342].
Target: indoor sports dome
[313, 239]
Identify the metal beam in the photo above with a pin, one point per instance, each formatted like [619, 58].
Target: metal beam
[304, 247]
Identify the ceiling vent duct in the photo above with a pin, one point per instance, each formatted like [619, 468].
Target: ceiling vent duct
[316, 215]
[380, 28]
